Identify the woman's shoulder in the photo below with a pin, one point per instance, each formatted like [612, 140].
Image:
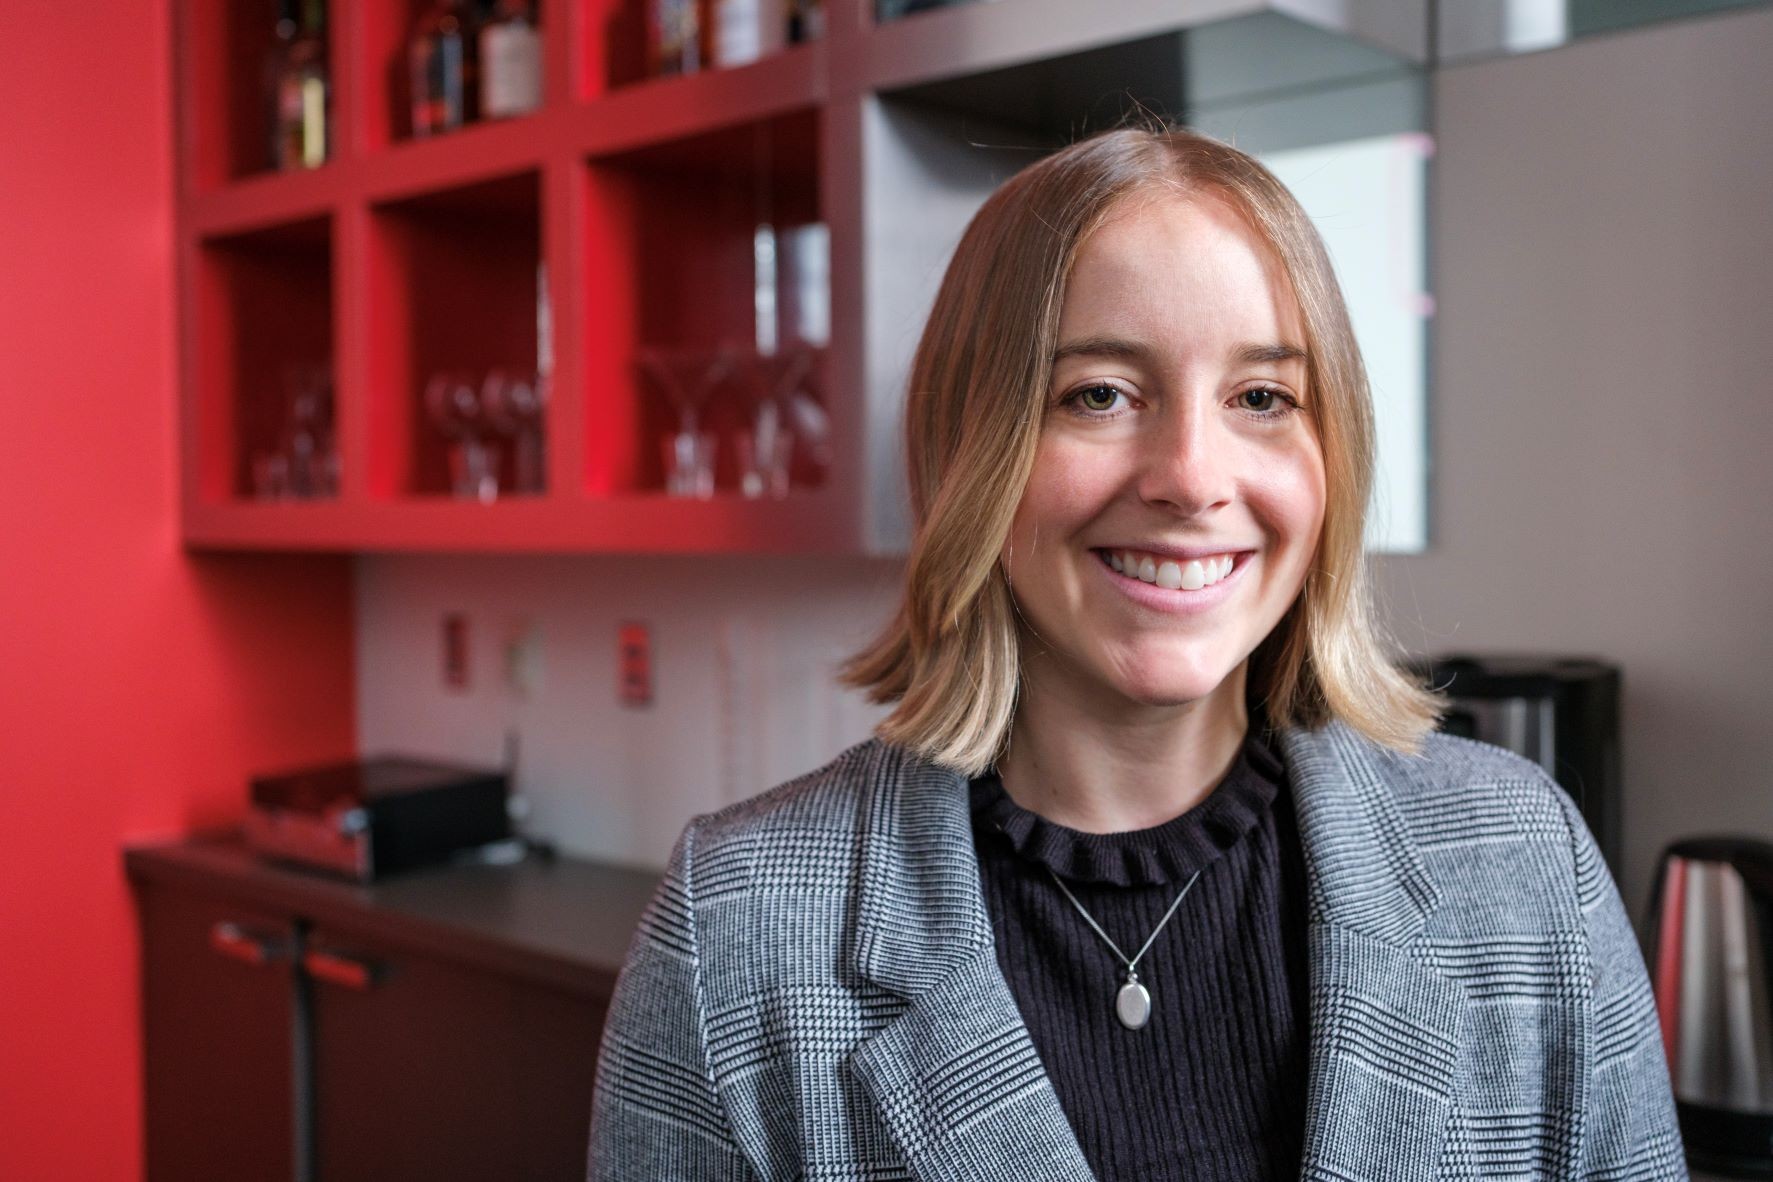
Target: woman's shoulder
[1478, 812]
[1458, 787]
[815, 817]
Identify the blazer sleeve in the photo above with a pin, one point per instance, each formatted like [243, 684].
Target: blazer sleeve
[656, 1115]
[1631, 1128]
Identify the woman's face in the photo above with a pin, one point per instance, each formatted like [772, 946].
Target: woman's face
[1175, 434]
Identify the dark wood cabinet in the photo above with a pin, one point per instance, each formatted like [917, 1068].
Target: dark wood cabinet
[217, 981]
[442, 1025]
[485, 1075]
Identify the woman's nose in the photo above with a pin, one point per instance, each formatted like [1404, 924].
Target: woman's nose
[1187, 460]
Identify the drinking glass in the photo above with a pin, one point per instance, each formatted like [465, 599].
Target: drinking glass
[766, 444]
[689, 378]
[311, 446]
[453, 406]
[513, 404]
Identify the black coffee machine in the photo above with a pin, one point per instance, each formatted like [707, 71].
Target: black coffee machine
[1560, 712]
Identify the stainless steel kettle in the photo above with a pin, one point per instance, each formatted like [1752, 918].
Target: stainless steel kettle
[1712, 937]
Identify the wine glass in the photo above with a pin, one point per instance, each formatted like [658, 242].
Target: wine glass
[689, 378]
[313, 457]
[513, 404]
[454, 409]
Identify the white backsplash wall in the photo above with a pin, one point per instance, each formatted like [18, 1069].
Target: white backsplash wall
[744, 697]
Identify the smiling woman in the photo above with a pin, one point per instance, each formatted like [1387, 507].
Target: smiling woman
[1133, 679]
[1132, 321]
[1158, 867]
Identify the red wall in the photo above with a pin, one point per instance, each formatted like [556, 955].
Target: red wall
[141, 684]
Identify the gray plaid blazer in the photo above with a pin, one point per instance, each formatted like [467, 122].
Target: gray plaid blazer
[814, 994]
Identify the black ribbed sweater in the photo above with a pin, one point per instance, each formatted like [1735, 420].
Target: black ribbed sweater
[1214, 1085]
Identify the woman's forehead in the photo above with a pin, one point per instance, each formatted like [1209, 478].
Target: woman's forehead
[1179, 265]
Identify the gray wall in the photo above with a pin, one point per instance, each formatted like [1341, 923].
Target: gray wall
[1603, 398]
[1602, 403]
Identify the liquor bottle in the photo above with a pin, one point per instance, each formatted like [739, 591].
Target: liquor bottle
[745, 30]
[276, 60]
[304, 94]
[677, 36]
[806, 20]
[443, 62]
[510, 61]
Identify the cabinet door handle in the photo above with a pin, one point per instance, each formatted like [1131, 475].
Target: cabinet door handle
[340, 969]
[232, 940]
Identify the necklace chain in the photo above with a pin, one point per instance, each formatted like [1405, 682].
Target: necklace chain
[1133, 963]
[1132, 1005]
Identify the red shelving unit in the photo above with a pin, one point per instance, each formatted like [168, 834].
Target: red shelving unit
[401, 260]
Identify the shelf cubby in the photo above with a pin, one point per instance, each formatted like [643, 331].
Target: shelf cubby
[669, 239]
[611, 50]
[224, 111]
[452, 278]
[384, 113]
[263, 322]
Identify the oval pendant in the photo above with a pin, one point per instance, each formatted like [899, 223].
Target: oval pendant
[1133, 1005]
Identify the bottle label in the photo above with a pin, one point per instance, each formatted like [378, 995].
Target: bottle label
[291, 131]
[678, 36]
[739, 35]
[314, 121]
[510, 69]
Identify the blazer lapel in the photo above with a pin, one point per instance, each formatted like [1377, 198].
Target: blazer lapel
[954, 1076]
[962, 1089]
[1386, 1029]
[956, 1079]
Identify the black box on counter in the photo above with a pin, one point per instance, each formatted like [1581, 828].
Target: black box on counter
[368, 818]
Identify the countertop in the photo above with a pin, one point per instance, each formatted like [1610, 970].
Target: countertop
[560, 921]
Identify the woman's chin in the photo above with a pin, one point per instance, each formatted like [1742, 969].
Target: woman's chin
[1167, 688]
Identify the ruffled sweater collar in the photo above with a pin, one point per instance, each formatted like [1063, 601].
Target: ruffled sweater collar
[1164, 853]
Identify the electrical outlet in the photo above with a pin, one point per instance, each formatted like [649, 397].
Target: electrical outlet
[455, 651]
[634, 664]
[523, 658]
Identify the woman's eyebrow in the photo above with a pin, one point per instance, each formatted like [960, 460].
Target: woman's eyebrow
[1255, 354]
[1101, 347]
[1247, 353]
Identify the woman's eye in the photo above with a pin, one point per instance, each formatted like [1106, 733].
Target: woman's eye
[1096, 399]
[1099, 400]
[1267, 396]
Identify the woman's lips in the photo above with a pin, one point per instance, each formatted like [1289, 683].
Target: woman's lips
[1178, 601]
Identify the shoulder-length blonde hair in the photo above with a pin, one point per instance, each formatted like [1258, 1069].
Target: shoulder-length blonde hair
[978, 391]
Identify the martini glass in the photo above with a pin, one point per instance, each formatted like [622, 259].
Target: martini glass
[689, 378]
[766, 444]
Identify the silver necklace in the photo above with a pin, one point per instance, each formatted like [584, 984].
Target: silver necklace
[1132, 1005]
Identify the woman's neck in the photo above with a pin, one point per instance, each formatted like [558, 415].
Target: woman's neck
[1105, 768]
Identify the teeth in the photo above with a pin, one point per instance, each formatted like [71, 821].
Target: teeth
[1176, 576]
